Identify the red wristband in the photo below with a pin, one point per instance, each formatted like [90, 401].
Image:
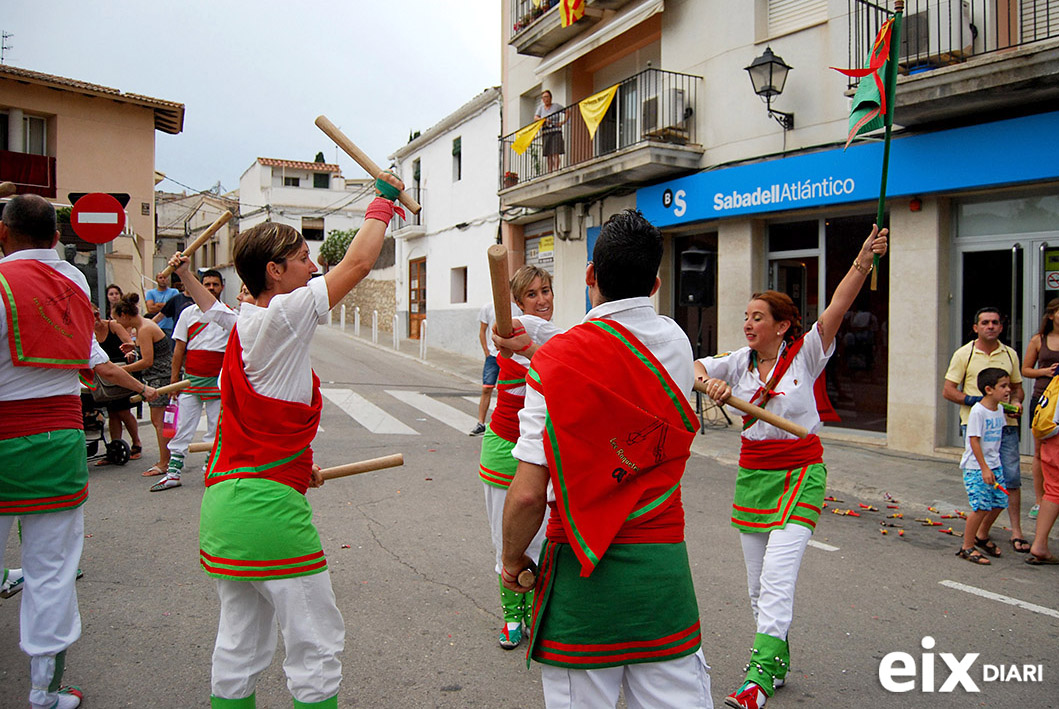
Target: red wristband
[525, 348]
[507, 575]
[381, 209]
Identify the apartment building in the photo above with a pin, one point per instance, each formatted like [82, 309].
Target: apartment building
[441, 270]
[62, 136]
[756, 192]
[180, 219]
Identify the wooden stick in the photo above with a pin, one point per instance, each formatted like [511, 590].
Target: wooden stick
[202, 238]
[200, 447]
[362, 158]
[363, 466]
[760, 413]
[501, 282]
[167, 389]
[7, 189]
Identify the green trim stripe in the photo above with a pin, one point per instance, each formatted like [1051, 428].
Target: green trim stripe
[650, 365]
[566, 496]
[510, 382]
[255, 468]
[653, 504]
[9, 297]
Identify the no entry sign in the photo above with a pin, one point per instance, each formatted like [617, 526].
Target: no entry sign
[97, 217]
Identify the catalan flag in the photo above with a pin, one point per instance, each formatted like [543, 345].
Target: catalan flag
[869, 108]
[571, 11]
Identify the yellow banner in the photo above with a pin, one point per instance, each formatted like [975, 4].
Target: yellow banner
[595, 107]
[525, 136]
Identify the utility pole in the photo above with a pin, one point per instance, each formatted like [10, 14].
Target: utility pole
[4, 46]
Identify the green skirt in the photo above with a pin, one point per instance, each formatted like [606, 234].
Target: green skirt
[771, 499]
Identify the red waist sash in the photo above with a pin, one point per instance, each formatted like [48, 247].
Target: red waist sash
[667, 527]
[49, 317]
[505, 416]
[619, 470]
[28, 417]
[258, 436]
[203, 363]
[781, 453]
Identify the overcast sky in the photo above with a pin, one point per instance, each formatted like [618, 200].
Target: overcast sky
[253, 75]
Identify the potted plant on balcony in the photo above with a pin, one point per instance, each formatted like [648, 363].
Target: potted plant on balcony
[510, 179]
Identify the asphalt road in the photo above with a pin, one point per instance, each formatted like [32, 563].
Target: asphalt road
[412, 567]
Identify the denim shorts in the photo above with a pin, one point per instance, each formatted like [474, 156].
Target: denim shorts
[1010, 460]
[490, 371]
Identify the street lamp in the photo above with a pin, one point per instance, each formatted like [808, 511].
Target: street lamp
[768, 74]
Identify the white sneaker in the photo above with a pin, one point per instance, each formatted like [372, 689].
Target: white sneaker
[12, 583]
[1034, 510]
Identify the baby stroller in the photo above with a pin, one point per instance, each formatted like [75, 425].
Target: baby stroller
[94, 395]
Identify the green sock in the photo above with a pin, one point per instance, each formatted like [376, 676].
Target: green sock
[770, 659]
[511, 602]
[331, 703]
[244, 703]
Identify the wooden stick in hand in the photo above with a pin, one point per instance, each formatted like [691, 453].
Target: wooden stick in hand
[760, 413]
[202, 238]
[167, 389]
[501, 282]
[363, 466]
[362, 158]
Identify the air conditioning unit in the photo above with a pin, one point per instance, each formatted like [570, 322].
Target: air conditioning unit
[936, 32]
[665, 110]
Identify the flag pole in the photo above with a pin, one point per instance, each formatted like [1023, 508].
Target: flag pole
[891, 90]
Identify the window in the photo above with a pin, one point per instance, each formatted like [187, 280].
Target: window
[457, 169]
[3, 131]
[322, 180]
[291, 182]
[34, 135]
[786, 16]
[458, 285]
[312, 228]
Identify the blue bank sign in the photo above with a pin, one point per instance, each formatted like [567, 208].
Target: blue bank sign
[1005, 152]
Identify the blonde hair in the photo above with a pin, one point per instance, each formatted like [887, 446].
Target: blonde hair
[522, 279]
[261, 245]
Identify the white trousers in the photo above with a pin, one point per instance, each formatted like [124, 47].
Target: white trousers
[49, 621]
[188, 421]
[313, 636]
[772, 563]
[683, 683]
[494, 510]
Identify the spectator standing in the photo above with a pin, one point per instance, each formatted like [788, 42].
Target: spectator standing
[1041, 364]
[490, 370]
[155, 298]
[552, 131]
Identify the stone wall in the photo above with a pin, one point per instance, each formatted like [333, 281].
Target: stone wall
[369, 295]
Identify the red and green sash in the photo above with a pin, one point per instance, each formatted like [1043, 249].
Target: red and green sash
[765, 393]
[258, 436]
[617, 468]
[504, 421]
[202, 368]
[49, 317]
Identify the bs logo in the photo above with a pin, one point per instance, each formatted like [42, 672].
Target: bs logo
[669, 199]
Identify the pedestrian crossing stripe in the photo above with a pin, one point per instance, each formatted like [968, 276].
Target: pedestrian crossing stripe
[366, 413]
[442, 412]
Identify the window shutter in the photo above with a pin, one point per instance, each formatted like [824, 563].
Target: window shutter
[1040, 20]
[790, 15]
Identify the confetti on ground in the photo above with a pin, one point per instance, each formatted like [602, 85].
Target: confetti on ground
[345, 546]
[900, 532]
[846, 513]
[893, 507]
[947, 531]
[884, 531]
[832, 499]
[896, 515]
[868, 507]
[932, 509]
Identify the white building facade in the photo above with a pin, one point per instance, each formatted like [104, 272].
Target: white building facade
[441, 271]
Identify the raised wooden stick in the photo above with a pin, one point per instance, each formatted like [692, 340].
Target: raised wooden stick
[7, 189]
[363, 466]
[361, 158]
[501, 283]
[760, 413]
[167, 389]
[202, 238]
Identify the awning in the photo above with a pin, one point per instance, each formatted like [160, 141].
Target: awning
[603, 33]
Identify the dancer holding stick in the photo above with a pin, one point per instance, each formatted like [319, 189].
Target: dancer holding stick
[778, 369]
[256, 534]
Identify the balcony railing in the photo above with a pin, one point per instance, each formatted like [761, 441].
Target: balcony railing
[525, 12]
[653, 105]
[32, 174]
[413, 220]
[938, 33]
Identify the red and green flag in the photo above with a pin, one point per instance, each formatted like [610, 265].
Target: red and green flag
[870, 106]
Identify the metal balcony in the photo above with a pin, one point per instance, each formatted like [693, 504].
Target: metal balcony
[965, 58]
[411, 227]
[647, 133]
[537, 29]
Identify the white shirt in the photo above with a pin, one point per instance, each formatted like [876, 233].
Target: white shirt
[17, 383]
[276, 339]
[213, 337]
[794, 399]
[663, 337]
[487, 316]
[988, 426]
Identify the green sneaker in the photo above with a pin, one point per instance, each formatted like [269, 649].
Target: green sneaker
[1034, 510]
[510, 639]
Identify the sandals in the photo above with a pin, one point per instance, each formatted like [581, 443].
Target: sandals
[1034, 560]
[973, 556]
[134, 452]
[988, 546]
[153, 471]
[1020, 545]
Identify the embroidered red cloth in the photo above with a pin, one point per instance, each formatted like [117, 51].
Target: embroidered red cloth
[49, 317]
[28, 417]
[618, 435]
[505, 416]
[258, 436]
[781, 453]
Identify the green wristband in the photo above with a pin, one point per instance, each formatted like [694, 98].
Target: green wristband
[385, 189]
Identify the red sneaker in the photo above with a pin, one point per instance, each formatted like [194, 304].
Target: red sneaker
[749, 696]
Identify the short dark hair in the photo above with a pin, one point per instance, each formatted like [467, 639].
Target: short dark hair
[989, 377]
[988, 309]
[213, 273]
[626, 256]
[260, 245]
[31, 219]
